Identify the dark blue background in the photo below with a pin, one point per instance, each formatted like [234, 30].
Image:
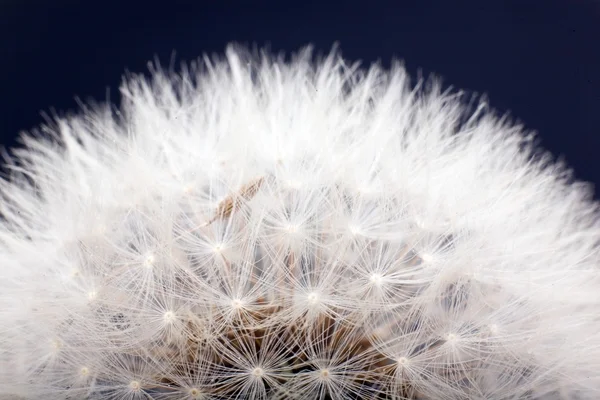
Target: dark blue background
[540, 60]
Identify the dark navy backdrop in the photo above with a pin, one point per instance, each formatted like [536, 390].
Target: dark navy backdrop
[538, 59]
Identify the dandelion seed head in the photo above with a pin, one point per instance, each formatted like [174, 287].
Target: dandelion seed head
[257, 228]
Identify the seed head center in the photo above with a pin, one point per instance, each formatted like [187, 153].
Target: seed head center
[237, 304]
[169, 317]
[376, 279]
[313, 298]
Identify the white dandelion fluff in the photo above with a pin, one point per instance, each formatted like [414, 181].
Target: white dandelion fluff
[261, 228]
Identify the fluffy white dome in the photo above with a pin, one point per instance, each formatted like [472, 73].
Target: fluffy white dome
[256, 228]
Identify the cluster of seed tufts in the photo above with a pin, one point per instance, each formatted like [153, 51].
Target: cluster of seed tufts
[253, 303]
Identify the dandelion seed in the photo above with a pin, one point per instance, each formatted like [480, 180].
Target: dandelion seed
[246, 193]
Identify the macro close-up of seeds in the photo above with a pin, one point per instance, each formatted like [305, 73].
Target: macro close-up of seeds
[258, 226]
